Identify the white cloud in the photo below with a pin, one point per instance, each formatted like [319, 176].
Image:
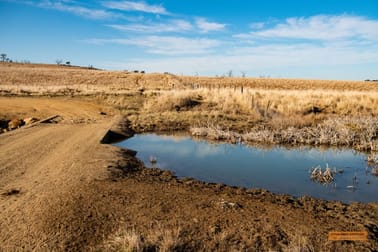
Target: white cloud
[321, 27]
[78, 10]
[136, 6]
[271, 59]
[171, 26]
[206, 26]
[165, 45]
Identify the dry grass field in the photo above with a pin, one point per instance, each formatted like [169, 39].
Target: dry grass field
[61, 190]
[274, 111]
[30, 79]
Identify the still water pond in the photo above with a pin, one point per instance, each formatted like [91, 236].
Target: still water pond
[277, 169]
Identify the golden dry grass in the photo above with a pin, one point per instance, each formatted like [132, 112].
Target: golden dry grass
[157, 239]
[40, 79]
[263, 103]
[271, 83]
[317, 117]
[267, 110]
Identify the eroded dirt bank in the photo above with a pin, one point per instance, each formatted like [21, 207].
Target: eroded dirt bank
[63, 190]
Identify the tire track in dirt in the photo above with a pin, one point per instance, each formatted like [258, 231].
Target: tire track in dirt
[45, 165]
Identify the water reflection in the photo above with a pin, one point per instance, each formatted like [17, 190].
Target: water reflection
[277, 169]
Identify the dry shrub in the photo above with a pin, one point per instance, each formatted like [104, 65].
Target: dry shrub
[125, 241]
[166, 239]
[157, 239]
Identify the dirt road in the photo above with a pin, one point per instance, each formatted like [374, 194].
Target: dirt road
[46, 162]
[61, 190]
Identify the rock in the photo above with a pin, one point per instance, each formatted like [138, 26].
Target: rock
[15, 123]
[30, 120]
[11, 191]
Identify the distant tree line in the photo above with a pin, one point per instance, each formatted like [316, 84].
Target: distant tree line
[4, 58]
[60, 62]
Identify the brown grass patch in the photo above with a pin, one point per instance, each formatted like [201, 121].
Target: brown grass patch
[157, 239]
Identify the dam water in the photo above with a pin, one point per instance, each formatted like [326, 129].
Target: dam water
[277, 169]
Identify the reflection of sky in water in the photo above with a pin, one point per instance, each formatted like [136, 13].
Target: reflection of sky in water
[277, 169]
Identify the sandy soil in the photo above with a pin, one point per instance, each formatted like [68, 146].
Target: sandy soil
[60, 189]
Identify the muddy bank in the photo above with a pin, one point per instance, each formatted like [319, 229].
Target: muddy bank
[187, 214]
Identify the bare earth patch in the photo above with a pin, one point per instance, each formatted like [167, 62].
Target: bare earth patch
[60, 189]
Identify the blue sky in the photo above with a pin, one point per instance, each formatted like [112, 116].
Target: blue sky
[313, 39]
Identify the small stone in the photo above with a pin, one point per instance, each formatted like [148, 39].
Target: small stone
[15, 123]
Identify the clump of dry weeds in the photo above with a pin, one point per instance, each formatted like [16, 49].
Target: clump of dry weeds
[360, 133]
[158, 239]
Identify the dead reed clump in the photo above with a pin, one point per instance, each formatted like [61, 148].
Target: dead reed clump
[359, 133]
[372, 163]
[372, 159]
[320, 176]
[124, 240]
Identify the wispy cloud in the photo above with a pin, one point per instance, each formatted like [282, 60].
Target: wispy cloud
[277, 60]
[206, 26]
[171, 26]
[165, 45]
[321, 27]
[136, 6]
[77, 10]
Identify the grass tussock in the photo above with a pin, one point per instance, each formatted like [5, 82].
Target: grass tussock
[124, 241]
[158, 239]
